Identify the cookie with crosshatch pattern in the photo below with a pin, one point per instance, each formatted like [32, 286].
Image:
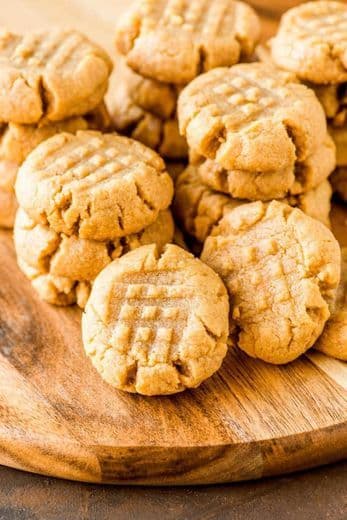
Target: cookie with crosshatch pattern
[175, 40]
[156, 321]
[97, 186]
[53, 74]
[252, 118]
[312, 42]
[282, 270]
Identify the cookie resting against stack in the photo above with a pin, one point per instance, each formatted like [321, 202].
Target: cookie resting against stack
[165, 44]
[50, 82]
[156, 321]
[84, 200]
[281, 269]
[312, 43]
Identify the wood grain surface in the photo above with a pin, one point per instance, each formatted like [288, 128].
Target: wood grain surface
[58, 418]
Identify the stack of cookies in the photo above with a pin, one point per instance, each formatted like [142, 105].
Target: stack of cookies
[164, 45]
[256, 134]
[86, 199]
[50, 82]
[94, 222]
[312, 43]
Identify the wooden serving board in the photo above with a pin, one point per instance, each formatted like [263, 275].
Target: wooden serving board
[57, 417]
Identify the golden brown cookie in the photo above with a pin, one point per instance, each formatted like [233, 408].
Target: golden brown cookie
[305, 176]
[339, 182]
[281, 269]
[312, 42]
[333, 341]
[252, 118]
[156, 321]
[63, 267]
[54, 74]
[198, 208]
[98, 186]
[174, 41]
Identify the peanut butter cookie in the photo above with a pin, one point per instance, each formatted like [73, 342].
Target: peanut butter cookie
[282, 269]
[156, 322]
[252, 118]
[174, 41]
[333, 341]
[312, 42]
[55, 74]
[97, 186]
[198, 208]
[63, 267]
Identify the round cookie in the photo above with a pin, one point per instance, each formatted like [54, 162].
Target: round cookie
[312, 42]
[174, 41]
[156, 321]
[281, 269]
[333, 341]
[97, 186]
[339, 182]
[63, 267]
[252, 118]
[199, 209]
[305, 175]
[54, 74]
